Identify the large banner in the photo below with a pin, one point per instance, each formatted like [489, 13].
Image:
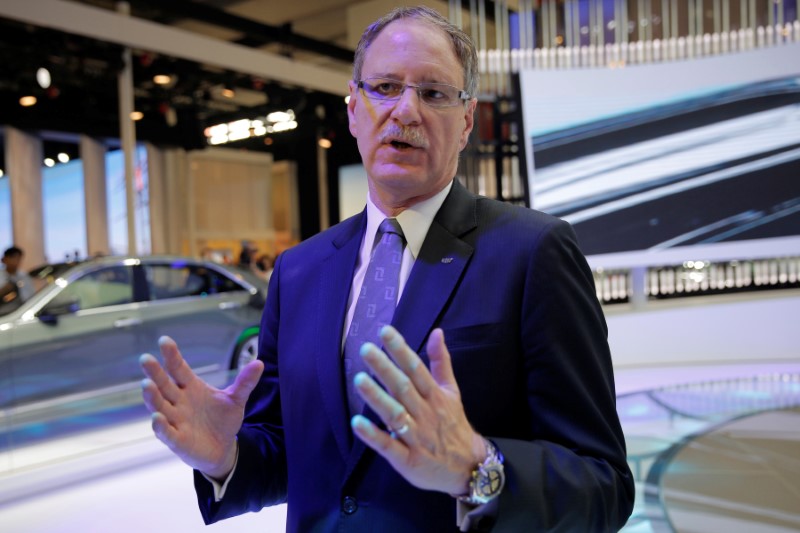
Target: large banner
[651, 157]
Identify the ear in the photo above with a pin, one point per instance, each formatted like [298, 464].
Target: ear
[469, 122]
[351, 108]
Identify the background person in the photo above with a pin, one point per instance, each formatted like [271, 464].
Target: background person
[15, 284]
[500, 372]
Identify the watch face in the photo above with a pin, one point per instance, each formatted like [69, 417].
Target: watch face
[490, 482]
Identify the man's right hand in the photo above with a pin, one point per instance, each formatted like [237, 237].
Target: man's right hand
[196, 421]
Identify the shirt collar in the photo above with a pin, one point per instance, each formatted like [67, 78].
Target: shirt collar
[415, 220]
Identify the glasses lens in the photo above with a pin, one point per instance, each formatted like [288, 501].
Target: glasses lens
[382, 89]
[438, 94]
[432, 94]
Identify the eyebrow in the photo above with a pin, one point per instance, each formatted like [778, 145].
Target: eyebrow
[392, 76]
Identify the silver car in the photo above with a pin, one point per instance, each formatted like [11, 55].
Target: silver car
[84, 330]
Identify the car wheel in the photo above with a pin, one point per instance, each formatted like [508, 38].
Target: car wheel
[246, 351]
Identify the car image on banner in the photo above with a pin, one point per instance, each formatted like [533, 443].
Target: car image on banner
[83, 331]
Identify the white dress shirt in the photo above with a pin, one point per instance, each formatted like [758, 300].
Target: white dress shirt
[415, 222]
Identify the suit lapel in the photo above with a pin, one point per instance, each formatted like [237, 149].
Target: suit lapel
[438, 269]
[334, 289]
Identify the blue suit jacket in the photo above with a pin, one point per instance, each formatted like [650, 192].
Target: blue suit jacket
[516, 301]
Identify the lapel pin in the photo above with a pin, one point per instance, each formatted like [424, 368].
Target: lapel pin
[447, 260]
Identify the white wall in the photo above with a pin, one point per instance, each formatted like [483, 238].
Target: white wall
[760, 327]
[352, 190]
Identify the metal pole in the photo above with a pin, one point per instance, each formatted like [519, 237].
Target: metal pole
[726, 16]
[674, 18]
[127, 135]
[742, 14]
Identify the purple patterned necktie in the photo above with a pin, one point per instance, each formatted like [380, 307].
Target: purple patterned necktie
[375, 305]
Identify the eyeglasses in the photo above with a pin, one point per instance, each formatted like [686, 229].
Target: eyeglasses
[432, 94]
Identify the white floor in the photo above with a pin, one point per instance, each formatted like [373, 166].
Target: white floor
[124, 480]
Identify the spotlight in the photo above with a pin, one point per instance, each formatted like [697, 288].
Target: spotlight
[63, 157]
[280, 116]
[325, 143]
[228, 93]
[43, 78]
[27, 101]
[137, 115]
[48, 162]
[162, 79]
[1, 173]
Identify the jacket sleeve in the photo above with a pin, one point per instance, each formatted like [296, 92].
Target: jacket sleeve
[573, 476]
[260, 477]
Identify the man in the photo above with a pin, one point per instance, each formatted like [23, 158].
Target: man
[497, 407]
[15, 284]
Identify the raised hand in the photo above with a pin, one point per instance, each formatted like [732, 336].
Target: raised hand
[196, 421]
[431, 444]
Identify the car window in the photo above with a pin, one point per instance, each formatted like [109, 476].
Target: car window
[181, 280]
[99, 288]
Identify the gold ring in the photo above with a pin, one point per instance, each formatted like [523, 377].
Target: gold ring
[402, 430]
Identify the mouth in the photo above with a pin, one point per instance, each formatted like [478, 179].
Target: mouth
[400, 145]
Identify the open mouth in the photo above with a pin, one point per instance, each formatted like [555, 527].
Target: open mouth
[401, 145]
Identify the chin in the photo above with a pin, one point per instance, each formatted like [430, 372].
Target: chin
[399, 176]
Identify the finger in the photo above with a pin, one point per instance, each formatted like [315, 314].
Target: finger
[175, 364]
[441, 363]
[246, 381]
[154, 371]
[388, 409]
[163, 430]
[391, 449]
[407, 360]
[153, 399]
[396, 382]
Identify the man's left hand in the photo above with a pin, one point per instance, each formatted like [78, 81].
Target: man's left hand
[431, 442]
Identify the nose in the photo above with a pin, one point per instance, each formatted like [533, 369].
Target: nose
[406, 109]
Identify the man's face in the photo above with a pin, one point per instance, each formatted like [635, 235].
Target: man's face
[12, 263]
[402, 174]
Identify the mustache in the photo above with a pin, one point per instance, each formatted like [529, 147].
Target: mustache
[406, 134]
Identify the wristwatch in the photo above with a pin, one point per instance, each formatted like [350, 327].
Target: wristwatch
[488, 478]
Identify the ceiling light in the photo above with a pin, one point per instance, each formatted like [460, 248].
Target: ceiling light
[284, 126]
[162, 79]
[137, 115]
[280, 116]
[324, 143]
[1, 173]
[347, 99]
[27, 101]
[63, 157]
[49, 162]
[43, 78]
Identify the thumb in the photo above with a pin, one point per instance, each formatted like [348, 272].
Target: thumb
[246, 381]
[439, 356]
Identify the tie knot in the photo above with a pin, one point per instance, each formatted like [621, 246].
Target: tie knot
[390, 225]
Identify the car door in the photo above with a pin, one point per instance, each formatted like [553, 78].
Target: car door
[85, 338]
[199, 307]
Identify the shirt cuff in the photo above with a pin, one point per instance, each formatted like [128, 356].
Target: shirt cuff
[220, 488]
[477, 518]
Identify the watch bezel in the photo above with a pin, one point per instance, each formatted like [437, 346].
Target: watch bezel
[482, 478]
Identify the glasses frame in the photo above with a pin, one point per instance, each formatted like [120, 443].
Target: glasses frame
[462, 95]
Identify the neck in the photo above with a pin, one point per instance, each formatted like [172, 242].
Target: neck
[392, 205]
